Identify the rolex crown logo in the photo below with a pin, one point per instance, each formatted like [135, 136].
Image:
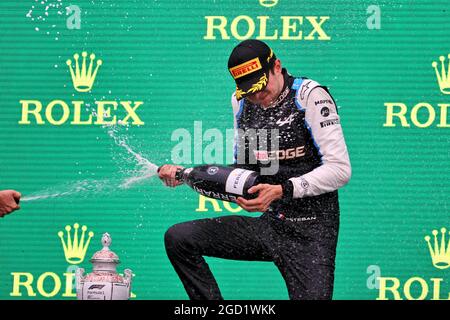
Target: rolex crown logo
[83, 79]
[440, 252]
[268, 3]
[75, 248]
[443, 76]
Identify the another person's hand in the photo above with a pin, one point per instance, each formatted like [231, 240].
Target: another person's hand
[266, 194]
[9, 201]
[167, 175]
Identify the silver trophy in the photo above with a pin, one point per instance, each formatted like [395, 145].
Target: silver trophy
[104, 283]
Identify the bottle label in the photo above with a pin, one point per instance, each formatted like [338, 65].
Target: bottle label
[236, 181]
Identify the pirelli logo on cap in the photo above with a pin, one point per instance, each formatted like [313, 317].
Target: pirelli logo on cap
[245, 68]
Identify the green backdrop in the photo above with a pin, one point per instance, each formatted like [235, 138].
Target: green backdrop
[158, 52]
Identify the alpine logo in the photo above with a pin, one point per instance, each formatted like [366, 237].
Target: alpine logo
[288, 120]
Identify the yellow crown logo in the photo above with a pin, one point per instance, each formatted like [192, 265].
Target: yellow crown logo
[440, 254]
[83, 79]
[268, 3]
[75, 249]
[443, 77]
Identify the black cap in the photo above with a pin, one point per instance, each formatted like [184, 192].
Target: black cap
[249, 65]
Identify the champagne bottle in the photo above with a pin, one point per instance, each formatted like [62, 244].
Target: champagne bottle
[220, 182]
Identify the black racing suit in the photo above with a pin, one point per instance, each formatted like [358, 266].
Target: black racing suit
[300, 136]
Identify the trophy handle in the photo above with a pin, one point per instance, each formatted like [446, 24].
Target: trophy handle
[128, 276]
[79, 275]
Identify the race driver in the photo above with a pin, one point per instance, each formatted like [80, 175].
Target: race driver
[298, 228]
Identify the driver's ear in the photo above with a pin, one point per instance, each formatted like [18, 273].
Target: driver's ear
[277, 66]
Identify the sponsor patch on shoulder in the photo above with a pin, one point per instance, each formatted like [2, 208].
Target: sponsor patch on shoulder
[328, 123]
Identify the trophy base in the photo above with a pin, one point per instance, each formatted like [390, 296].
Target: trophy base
[103, 291]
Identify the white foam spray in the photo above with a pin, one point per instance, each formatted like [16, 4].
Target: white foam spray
[145, 170]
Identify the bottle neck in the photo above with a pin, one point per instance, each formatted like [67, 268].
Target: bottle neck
[182, 174]
[179, 175]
